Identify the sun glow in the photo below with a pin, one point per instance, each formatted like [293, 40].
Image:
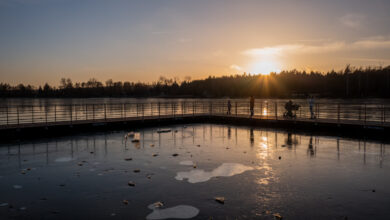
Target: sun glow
[265, 66]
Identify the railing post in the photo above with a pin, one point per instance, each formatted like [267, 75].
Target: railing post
[365, 113]
[383, 113]
[93, 112]
[55, 113]
[46, 107]
[261, 108]
[276, 110]
[86, 112]
[318, 110]
[71, 114]
[338, 112]
[158, 109]
[360, 109]
[7, 113]
[151, 109]
[124, 110]
[182, 108]
[211, 108]
[236, 108]
[32, 114]
[173, 115]
[193, 108]
[105, 112]
[75, 113]
[266, 109]
[142, 107]
[17, 113]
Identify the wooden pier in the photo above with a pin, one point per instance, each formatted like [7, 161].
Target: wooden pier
[80, 119]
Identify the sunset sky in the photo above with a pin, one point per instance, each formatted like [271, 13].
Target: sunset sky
[44, 40]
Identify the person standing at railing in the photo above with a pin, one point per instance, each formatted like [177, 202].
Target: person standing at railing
[311, 104]
[252, 105]
[229, 107]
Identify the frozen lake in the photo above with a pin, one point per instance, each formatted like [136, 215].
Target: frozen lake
[178, 172]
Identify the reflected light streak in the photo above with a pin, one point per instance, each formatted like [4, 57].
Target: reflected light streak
[263, 153]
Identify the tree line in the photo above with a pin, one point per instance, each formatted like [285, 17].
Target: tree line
[349, 83]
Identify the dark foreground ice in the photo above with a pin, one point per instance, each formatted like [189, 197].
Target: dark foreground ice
[254, 173]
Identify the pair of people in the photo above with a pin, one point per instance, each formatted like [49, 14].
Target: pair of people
[251, 106]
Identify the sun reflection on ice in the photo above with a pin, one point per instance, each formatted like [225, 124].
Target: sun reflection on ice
[263, 153]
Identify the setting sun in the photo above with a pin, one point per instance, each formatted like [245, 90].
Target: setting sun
[265, 67]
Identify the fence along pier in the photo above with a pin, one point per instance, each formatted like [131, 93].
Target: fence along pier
[20, 121]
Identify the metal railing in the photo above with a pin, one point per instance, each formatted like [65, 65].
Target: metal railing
[20, 115]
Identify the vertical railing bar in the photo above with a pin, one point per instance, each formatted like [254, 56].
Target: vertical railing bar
[46, 114]
[7, 113]
[105, 112]
[124, 110]
[75, 112]
[17, 113]
[365, 114]
[236, 108]
[276, 110]
[383, 115]
[261, 109]
[338, 113]
[55, 113]
[93, 112]
[32, 114]
[71, 114]
[159, 110]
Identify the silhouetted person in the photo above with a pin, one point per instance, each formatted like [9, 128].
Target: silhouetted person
[311, 104]
[229, 106]
[252, 105]
[290, 107]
